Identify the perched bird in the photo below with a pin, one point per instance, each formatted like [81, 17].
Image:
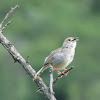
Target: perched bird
[61, 57]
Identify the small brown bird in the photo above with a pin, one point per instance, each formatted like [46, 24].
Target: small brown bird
[61, 57]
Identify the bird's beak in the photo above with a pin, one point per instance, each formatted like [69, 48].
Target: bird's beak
[76, 38]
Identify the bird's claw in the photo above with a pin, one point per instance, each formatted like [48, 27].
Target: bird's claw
[65, 73]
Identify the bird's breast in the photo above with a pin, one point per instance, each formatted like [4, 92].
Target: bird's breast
[62, 60]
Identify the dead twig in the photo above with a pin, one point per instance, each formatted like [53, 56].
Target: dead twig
[7, 24]
[7, 15]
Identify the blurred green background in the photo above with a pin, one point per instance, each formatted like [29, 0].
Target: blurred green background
[40, 26]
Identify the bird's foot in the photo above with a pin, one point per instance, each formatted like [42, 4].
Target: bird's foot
[59, 74]
[64, 70]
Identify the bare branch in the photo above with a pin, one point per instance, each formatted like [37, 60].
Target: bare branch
[8, 14]
[7, 24]
[31, 72]
[51, 83]
[62, 74]
[17, 57]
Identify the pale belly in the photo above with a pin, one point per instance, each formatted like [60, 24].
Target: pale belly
[62, 61]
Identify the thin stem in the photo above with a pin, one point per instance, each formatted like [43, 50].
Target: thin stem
[7, 24]
[51, 83]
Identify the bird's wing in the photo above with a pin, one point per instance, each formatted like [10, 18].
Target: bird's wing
[48, 59]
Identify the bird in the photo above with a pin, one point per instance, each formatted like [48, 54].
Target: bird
[60, 58]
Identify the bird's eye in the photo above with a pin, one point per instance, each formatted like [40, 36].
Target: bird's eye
[69, 39]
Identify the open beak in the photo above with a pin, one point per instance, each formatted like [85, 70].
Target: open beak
[76, 38]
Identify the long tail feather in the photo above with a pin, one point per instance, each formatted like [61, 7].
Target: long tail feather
[39, 73]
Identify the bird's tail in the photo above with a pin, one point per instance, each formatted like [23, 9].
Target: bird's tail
[39, 73]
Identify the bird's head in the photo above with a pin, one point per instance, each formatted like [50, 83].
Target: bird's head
[70, 42]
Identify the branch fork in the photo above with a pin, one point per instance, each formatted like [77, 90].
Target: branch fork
[18, 58]
[48, 92]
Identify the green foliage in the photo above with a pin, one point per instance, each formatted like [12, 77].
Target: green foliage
[39, 27]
